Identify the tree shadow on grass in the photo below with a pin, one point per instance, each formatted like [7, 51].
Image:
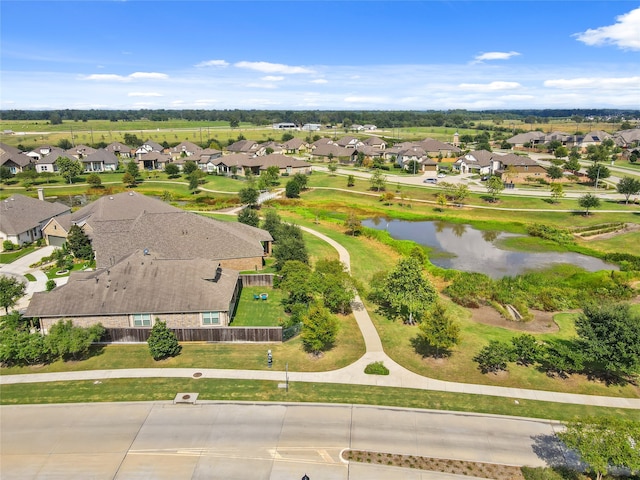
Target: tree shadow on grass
[425, 350]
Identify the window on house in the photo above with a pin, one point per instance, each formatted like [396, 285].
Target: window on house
[44, 168]
[210, 318]
[141, 319]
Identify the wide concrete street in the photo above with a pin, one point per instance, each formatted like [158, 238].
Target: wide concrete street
[163, 440]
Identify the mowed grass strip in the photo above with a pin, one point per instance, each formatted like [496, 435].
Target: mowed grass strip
[158, 389]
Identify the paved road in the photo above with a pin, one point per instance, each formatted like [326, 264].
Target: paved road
[257, 441]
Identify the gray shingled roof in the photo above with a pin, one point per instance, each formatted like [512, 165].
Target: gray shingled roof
[19, 213]
[103, 156]
[176, 235]
[20, 159]
[140, 284]
[122, 206]
[275, 159]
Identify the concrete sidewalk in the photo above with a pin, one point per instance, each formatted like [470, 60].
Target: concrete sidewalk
[20, 267]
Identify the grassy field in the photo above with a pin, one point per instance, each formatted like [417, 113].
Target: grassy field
[264, 391]
[259, 313]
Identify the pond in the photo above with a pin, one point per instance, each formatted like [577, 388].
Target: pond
[462, 247]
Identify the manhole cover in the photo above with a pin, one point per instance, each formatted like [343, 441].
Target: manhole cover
[197, 375]
[186, 397]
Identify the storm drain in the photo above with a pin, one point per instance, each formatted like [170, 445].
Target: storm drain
[186, 398]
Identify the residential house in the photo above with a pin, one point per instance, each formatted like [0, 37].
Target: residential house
[248, 147]
[477, 161]
[529, 138]
[268, 148]
[231, 164]
[311, 127]
[152, 160]
[79, 152]
[627, 138]
[349, 142]
[286, 165]
[436, 148]
[23, 218]
[516, 168]
[132, 293]
[369, 127]
[39, 152]
[357, 128]
[207, 160]
[100, 161]
[13, 159]
[48, 163]
[294, 146]
[331, 151]
[285, 126]
[184, 149]
[375, 142]
[119, 149]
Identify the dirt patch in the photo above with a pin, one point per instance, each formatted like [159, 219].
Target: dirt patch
[455, 467]
[542, 321]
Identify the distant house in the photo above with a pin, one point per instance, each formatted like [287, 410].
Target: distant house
[516, 168]
[243, 146]
[100, 161]
[349, 142]
[23, 218]
[331, 151]
[627, 138]
[529, 138]
[285, 126]
[149, 146]
[80, 151]
[48, 163]
[436, 148]
[119, 149]
[294, 146]
[311, 127]
[375, 142]
[152, 160]
[369, 127]
[184, 149]
[477, 161]
[286, 165]
[13, 159]
[356, 128]
[132, 293]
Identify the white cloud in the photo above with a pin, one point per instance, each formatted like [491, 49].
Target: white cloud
[489, 87]
[320, 81]
[151, 75]
[625, 33]
[267, 67]
[111, 77]
[594, 82]
[212, 63]
[494, 56]
[144, 94]
[271, 78]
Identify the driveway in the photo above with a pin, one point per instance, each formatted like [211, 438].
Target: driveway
[22, 266]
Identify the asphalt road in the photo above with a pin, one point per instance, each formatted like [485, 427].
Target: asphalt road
[251, 441]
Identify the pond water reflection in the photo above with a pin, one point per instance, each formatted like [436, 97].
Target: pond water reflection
[462, 247]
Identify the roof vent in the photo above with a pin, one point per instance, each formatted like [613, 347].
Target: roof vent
[145, 251]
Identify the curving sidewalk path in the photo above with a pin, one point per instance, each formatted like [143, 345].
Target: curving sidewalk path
[352, 374]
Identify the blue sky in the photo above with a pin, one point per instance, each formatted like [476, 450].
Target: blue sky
[388, 55]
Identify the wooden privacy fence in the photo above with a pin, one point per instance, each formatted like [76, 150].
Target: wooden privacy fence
[257, 279]
[217, 334]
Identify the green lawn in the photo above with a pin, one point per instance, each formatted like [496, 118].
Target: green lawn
[8, 257]
[259, 313]
[112, 390]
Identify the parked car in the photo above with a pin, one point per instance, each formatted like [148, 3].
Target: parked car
[441, 175]
[430, 180]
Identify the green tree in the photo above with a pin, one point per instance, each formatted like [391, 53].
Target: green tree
[554, 172]
[249, 216]
[129, 179]
[628, 186]
[189, 167]
[292, 189]
[50, 285]
[286, 137]
[494, 186]
[11, 290]
[132, 140]
[67, 341]
[319, 329]
[557, 192]
[526, 349]
[5, 174]
[79, 244]
[132, 169]
[302, 180]
[65, 144]
[294, 280]
[172, 170]
[289, 246]
[588, 201]
[249, 195]
[573, 164]
[351, 181]
[194, 181]
[162, 341]
[561, 152]
[353, 224]
[378, 181]
[604, 442]
[334, 284]
[598, 153]
[272, 222]
[494, 357]
[438, 330]
[94, 180]
[69, 168]
[404, 292]
[460, 193]
[332, 166]
[609, 334]
[597, 172]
